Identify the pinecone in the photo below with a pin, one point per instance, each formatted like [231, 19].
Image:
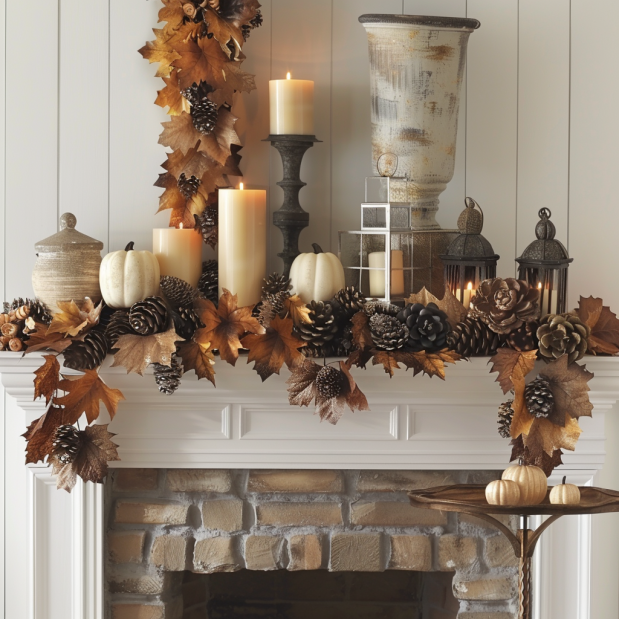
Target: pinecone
[274, 284]
[388, 333]
[472, 338]
[271, 305]
[209, 281]
[505, 304]
[89, 353]
[188, 186]
[66, 444]
[39, 312]
[427, 325]
[168, 377]
[207, 224]
[117, 326]
[320, 331]
[204, 112]
[506, 414]
[539, 398]
[256, 22]
[348, 302]
[379, 307]
[524, 338]
[149, 316]
[329, 382]
[562, 334]
[343, 344]
[177, 291]
[186, 322]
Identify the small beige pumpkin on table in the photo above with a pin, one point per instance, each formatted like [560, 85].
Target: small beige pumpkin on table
[565, 494]
[531, 480]
[503, 492]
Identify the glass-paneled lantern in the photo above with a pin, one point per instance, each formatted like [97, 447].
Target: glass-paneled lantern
[544, 264]
[470, 258]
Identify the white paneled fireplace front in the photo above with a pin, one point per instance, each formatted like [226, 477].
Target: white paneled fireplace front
[54, 543]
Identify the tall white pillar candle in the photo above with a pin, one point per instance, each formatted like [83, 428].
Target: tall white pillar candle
[179, 253]
[376, 262]
[242, 243]
[292, 107]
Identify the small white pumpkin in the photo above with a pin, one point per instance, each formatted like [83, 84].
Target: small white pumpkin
[565, 494]
[532, 481]
[317, 276]
[128, 276]
[503, 492]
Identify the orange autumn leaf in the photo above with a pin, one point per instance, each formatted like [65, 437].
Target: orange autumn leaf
[136, 352]
[197, 357]
[40, 340]
[171, 96]
[547, 437]
[40, 434]
[512, 366]
[297, 310]
[71, 319]
[47, 378]
[604, 325]
[160, 50]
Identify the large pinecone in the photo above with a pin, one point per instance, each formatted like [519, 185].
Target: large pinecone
[204, 112]
[117, 326]
[388, 333]
[523, 338]
[539, 398]
[427, 325]
[562, 334]
[348, 302]
[168, 377]
[89, 353]
[380, 307]
[209, 281]
[472, 338]
[186, 322]
[329, 382]
[38, 310]
[321, 331]
[207, 225]
[506, 415]
[505, 304]
[178, 292]
[149, 316]
[188, 186]
[274, 284]
[66, 444]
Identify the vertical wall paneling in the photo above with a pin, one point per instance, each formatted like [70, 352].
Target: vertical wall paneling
[135, 156]
[301, 44]
[31, 192]
[83, 115]
[492, 119]
[543, 120]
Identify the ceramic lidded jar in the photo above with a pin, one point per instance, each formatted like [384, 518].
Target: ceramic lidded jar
[67, 266]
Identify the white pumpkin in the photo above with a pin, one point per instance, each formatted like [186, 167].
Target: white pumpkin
[532, 481]
[128, 276]
[565, 494]
[503, 492]
[317, 276]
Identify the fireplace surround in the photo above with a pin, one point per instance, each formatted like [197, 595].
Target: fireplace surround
[416, 426]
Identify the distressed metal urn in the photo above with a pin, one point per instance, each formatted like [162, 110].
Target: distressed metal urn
[67, 266]
[416, 70]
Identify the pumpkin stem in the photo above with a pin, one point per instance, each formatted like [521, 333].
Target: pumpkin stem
[130, 246]
[563, 482]
[317, 248]
[521, 461]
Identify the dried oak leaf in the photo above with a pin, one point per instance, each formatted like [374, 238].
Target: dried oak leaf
[137, 352]
[225, 325]
[40, 340]
[449, 304]
[161, 50]
[361, 334]
[84, 394]
[546, 437]
[545, 462]
[47, 379]
[568, 383]
[72, 320]
[301, 384]
[90, 462]
[171, 96]
[197, 357]
[604, 325]
[272, 349]
[512, 366]
[297, 310]
[40, 434]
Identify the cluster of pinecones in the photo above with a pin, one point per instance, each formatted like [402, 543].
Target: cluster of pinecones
[18, 320]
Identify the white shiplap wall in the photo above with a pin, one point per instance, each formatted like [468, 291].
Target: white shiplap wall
[538, 127]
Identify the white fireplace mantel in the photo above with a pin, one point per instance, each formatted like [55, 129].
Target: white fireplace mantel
[414, 423]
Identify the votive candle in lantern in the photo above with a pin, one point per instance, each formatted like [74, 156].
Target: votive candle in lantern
[242, 243]
[292, 106]
[376, 262]
[179, 253]
[397, 273]
[468, 293]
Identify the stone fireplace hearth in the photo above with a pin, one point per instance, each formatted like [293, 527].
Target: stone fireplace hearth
[168, 530]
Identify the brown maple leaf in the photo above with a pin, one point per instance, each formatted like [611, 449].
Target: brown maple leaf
[449, 304]
[90, 463]
[72, 320]
[190, 163]
[512, 366]
[160, 50]
[359, 358]
[225, 325]
[172, 12]
[547, 437]
[40, 434]
[568, 383]
[39, 340]
[302, 383]
[390, 360]
[297, 310]
[136, 352]
[430, 364]
[197, 357]
[361, 334]
[47, 378]
[83, 396]
[226, 32]
[604, 325]
[171, 96]
[272, 349]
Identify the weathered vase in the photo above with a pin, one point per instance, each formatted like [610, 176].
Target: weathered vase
[416, 69]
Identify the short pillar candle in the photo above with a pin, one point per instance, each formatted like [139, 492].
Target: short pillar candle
[292, 106]
[179, 253]
[242, 243]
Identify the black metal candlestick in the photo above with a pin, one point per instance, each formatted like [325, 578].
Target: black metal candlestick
[290, 218]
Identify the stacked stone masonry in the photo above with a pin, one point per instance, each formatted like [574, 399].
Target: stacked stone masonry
[167, 528]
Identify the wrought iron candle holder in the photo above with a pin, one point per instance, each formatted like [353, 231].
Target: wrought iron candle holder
[290, 218]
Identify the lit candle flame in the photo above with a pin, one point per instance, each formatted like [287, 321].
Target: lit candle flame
[539, 286]
[180, 226]
[241, 186]
[470, 286]
[288, 75]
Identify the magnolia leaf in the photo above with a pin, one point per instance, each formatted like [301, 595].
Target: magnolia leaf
[568, 383]
[361, 334]
[160, 50]
[301, 384]
[604, 325]
[197, 357]
[225, 324]
[47, 378]
[171, 96]
[449, 304]
[71, 319]
[41, 432]
[136, 352]
[512, 366]
[297, 310]
[90, 462]
[84, 394]
[272, 349]
[547, 437]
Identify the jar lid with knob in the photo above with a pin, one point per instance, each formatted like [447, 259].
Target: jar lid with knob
[68, 239]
